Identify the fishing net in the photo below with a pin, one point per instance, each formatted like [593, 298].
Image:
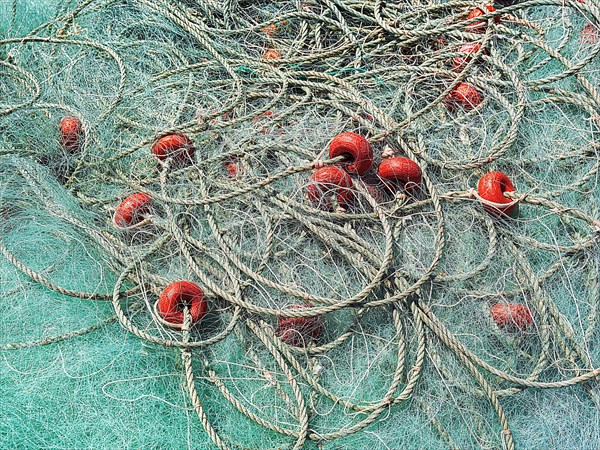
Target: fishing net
[361, 313]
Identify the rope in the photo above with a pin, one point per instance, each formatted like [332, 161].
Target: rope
[338, 57]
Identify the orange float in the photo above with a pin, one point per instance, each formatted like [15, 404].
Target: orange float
[231, 167]
[460, 62]
[590, 34]
[271, 54]
[465, 96]
[479, 27]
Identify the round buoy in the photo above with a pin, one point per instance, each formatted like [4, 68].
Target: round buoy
[356, 149]
[328, 181]
[132, 209]
[491, 189]
[460, 62]
[176, 146]
[177, 295]
[299, 331]
[465, 96]
[401, 172]
[71, 133]
[511, 316]
[479, 27]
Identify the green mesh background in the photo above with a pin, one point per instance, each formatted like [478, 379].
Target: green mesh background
[83, 369]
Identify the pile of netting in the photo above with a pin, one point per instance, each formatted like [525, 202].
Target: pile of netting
[193, 255]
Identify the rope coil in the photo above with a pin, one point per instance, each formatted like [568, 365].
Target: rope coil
[400, 282]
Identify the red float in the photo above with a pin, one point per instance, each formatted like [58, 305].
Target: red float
[298, 331]
[512, 316]
[356, 149]
[464, 95]
[176, 146]
[328, 181]
[71, 133]
[401, 171]
[179, 294]
[479, 27]
[460, 62]
[132, 209]
[491, 187]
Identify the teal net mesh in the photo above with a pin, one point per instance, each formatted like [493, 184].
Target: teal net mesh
[401, 286]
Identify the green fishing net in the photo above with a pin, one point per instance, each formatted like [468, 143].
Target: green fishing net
[426, 314]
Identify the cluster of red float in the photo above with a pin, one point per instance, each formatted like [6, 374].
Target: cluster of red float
[177, 148]
[271, 54]
[325, 183]
[465, 95]
[335, 181]
[493, 185]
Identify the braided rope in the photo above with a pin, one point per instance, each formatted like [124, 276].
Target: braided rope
[190, 223]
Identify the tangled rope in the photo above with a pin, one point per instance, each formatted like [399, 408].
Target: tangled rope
[261, 92]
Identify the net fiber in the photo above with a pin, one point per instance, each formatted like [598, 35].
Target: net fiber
[407, 349]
